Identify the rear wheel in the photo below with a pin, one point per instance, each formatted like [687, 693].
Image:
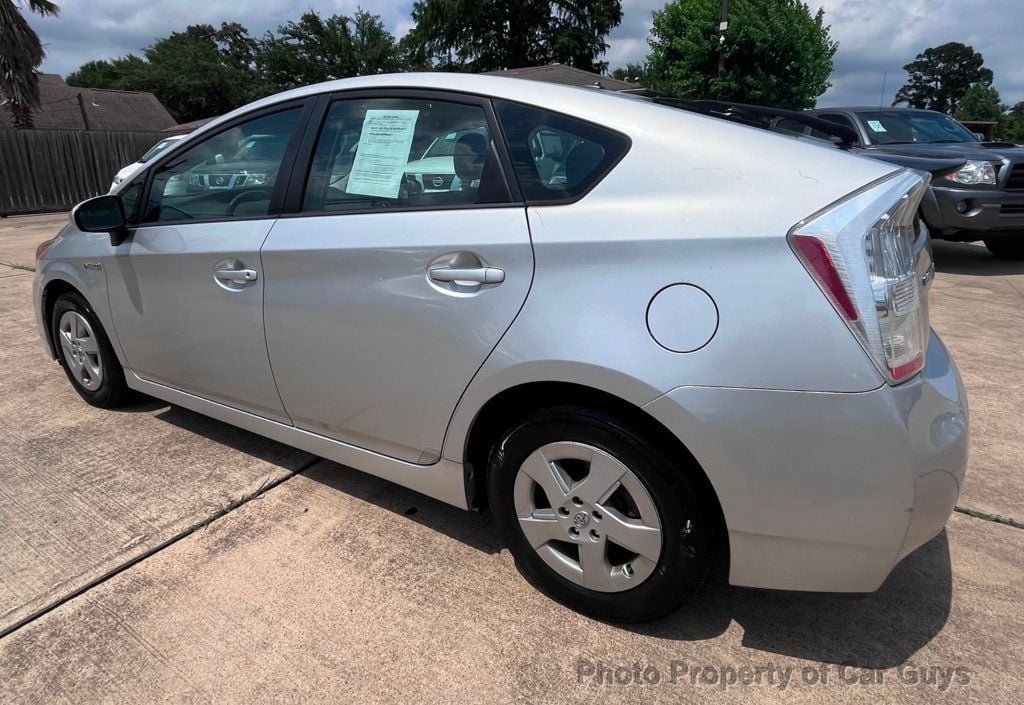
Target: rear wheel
[1007, 246]
[596, 517]
[85, 353]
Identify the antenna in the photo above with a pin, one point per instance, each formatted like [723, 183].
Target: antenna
[881, 97]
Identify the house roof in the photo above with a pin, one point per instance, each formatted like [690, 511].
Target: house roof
[133, 111]
[566, 75]
[186, 127]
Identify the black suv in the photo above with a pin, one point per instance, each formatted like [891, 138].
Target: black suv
[983, 199]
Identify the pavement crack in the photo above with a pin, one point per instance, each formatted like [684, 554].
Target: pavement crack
[986, 516]
[1012, 286]
[117, 570]
[24, 267]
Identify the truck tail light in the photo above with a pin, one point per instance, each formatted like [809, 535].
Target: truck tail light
[860, 251]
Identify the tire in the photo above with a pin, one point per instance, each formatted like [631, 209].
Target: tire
[85, 353]
[631, 583]
[1007, 247]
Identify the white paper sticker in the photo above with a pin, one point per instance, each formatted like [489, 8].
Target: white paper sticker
[876, 126]
[383, 153]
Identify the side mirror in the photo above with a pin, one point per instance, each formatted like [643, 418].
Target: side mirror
[103, 214]
[979, 136]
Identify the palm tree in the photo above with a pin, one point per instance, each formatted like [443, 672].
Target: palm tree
[20, 54]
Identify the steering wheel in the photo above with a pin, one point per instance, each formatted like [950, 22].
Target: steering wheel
[169, 207]
[246, 196]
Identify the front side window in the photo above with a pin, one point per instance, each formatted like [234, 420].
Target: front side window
[379, 153]
[229, 175]
[557, 157]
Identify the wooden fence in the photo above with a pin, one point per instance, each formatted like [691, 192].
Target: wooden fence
[52, 170]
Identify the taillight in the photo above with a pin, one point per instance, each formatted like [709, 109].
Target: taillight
[860, 251]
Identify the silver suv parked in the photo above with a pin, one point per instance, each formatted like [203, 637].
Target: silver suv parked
[644, 339]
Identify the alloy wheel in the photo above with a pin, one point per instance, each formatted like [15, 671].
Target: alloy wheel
[81, 350]
[588, 516]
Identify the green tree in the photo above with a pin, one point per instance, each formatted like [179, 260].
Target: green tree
[635, 72]
[126, 73]
[980, 103]
[776, 52]
[1011, 124]
[316, 49]
[486, 35]
[21, 53]
[199, 72]
[941, 76]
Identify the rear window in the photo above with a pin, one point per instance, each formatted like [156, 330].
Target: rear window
[557, 158]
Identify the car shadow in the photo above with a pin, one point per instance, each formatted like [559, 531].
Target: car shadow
[971, 258]
[881, 630]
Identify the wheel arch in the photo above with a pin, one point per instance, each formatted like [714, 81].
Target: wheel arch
[514, 403]
[52, 291]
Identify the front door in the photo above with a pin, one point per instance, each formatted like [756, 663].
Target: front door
[187, 287]
[406, 265]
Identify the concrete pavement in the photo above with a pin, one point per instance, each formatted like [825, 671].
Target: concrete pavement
[83, 491]
[335, 586]
[977, 306]
[20, 234]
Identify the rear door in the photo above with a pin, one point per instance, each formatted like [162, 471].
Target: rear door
[187, 286]
[385, 293]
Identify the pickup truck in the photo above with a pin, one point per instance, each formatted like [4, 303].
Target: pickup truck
[982, 199]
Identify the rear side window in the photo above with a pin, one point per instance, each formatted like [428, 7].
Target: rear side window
[557, 158]
[791, 125]
[381, 153]
[837, 119]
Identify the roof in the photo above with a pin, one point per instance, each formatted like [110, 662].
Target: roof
[566, 75]
[132, 111]
[558, 97]
[186, 127]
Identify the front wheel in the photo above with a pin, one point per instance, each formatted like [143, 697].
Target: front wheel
[597, 517]
[85, 353]
[1007, 246]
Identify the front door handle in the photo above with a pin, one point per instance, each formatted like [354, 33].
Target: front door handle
[236, 276]
[478, 275]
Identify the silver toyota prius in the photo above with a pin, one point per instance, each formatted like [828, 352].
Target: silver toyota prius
[644, 339]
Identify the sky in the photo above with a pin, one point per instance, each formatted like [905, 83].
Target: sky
[876, 37]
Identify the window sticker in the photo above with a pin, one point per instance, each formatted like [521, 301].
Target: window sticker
[876, 126]
[383, 153]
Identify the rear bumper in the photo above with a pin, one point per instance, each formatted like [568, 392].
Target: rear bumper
[986, 211]
[828, 491]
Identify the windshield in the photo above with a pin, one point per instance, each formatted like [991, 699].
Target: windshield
[156, 149]
[913, 126]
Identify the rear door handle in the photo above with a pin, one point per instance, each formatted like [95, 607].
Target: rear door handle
[479, 275]
[236, 276]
